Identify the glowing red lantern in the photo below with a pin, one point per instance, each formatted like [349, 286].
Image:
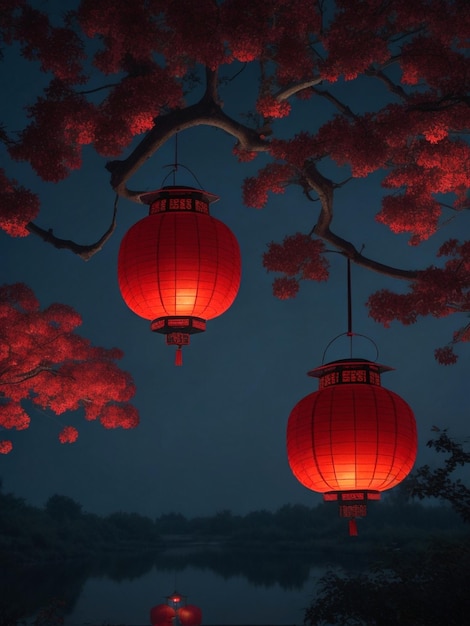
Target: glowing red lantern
[162, 614]
[179, 266]
[351, 439]
[190, 615]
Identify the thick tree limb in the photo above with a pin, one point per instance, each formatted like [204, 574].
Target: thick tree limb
[324, 188]
[206, 112]
[83, 251]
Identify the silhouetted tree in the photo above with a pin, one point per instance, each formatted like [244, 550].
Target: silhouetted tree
[412, 587]
[63, 508]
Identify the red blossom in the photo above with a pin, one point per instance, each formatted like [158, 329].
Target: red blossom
[18, 206]
[125, 29]
[59, 50]
[55, 149]
[68, 434]
[410, 213]
[269, 106]
[439, 292]
[115, 416]
[356, 38]
[12, 415]
[43, 361]
[132, 106]
[445, 356]
[299, 257]
[285, 288]
[298, 254]
[274, 177]
[297, 150]
[358, 143]
[6, 446]
[244, 156]
[196, 34]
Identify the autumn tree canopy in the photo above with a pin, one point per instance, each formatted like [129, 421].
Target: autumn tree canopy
[45, 364]
[120, 70]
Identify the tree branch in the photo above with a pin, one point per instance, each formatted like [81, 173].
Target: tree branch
[208, 112]
[324, 188]
[83, 251]
[291, 90]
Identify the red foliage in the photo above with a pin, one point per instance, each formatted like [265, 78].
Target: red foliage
[274, 177]
[407, 61]
[285, 288]
[269, 106]
[59, 50]
[68, 434]
[436, 291]
[18, 206]
[55, 149]
[299, 257]
[6, 446]
[44, 361]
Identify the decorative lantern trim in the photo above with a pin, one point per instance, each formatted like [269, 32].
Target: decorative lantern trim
[354, 495]
[349, 371]
[173, 323]
[178, 199]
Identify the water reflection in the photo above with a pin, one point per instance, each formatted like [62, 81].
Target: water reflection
[231, 587]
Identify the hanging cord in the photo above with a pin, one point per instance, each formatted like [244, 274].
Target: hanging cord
[176, 165]
[350, 332]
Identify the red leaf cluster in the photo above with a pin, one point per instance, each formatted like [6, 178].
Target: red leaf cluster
[68, 434]
[299, 257]
[44, 361]
[274, 177]
[58, 49]
[18, 206]
[436, 291]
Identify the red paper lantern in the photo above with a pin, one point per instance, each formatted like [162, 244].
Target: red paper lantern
[162, 614]
[351, 439]
[179, 266]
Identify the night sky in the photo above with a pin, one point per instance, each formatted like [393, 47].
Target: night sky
[212, 433]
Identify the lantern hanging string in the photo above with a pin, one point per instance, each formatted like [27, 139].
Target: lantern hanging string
[175, 166]
[349, 333]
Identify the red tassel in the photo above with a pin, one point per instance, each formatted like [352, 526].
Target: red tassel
[352, 527]
[179, 356]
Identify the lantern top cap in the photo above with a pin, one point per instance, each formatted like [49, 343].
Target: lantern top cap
[149, 197]
[323, 370]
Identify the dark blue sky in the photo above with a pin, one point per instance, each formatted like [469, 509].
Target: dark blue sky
[212, 433]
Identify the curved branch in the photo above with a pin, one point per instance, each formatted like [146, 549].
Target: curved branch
[207, 111]
[83, 251]
[294, 88]
[324, 188]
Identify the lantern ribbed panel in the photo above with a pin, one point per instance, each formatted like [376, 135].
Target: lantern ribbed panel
[351, 437]
[179, 263]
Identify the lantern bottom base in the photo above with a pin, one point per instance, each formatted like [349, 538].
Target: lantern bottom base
[352, 503]
[186, 324]
[351, 496]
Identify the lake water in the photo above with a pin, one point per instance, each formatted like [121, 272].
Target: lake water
[232, 600]
[231, 587]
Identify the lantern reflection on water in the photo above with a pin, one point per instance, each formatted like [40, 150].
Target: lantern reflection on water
[175, 612]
